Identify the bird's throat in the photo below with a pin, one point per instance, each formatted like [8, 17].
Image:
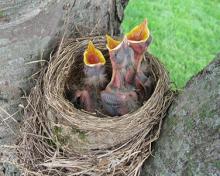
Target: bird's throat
[93, 59]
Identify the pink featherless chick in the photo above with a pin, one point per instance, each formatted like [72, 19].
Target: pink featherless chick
[139, 39]
[95, 79]
[119, 97]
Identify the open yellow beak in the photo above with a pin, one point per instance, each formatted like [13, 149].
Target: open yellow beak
[139, 32]
[93, 56]
[111, 43]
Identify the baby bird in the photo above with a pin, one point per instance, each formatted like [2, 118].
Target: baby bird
[145, 81]
[95, 79]
[119, 97]
[94, 67]
[139, 39]
[123, 63]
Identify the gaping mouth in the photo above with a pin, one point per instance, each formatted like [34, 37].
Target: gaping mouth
[139, 32]
[93, 56]
[111, 43]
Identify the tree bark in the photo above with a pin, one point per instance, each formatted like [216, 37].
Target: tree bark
[190, 140]
[29, 30]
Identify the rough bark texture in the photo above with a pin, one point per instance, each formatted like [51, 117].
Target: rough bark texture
[190, 139]
[29, 30]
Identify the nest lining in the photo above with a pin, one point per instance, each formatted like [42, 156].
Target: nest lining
[59, 139]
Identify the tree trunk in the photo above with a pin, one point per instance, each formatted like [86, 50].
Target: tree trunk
[190, 140]
[28, 32]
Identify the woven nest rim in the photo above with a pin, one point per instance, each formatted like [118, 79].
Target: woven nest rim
[128, 133]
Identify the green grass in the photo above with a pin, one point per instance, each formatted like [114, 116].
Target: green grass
[186, 34]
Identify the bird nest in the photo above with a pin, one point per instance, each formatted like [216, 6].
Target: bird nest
[59, 139]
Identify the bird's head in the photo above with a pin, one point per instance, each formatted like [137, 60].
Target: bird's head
[94, 66]
[120, 52]
[139, 37]
[113, 46]
[112, 43]
[139, 32]
[93, 56]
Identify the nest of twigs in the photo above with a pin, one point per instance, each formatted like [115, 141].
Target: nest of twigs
[59, 139]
